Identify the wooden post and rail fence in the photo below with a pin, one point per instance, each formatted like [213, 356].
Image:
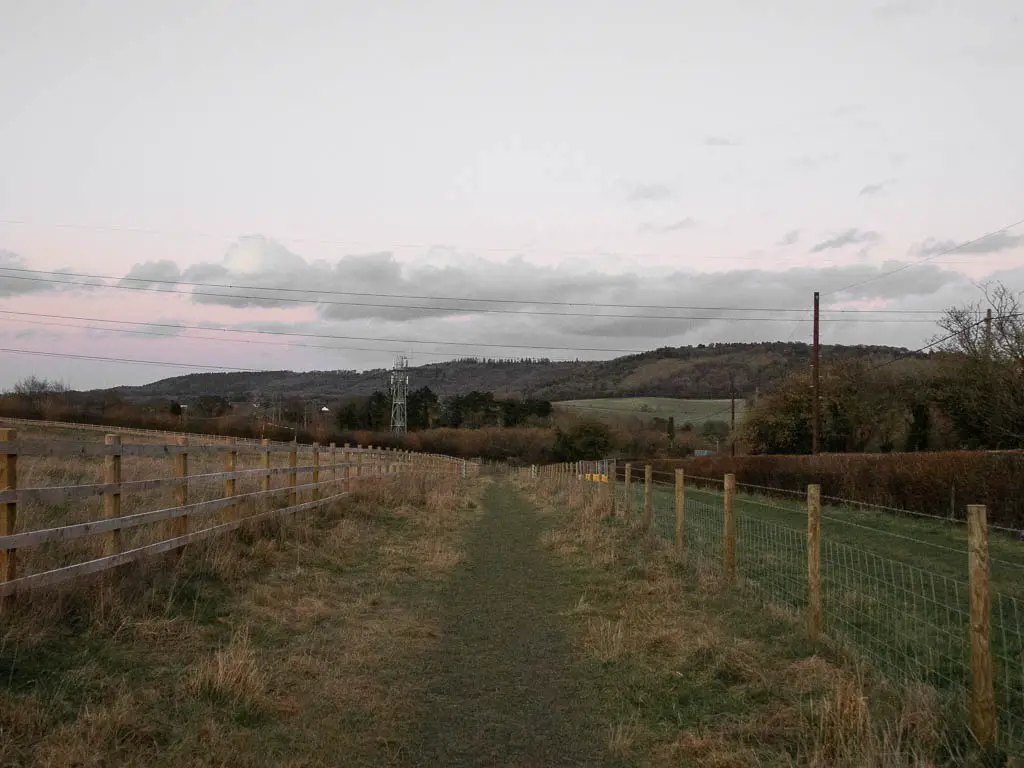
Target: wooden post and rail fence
[357, 466]
[983, 710]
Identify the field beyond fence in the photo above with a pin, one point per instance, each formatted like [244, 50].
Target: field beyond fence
[74, 507]
[936, 483]
[922, 600]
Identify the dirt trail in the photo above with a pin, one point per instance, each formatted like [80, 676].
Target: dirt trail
[506, 687]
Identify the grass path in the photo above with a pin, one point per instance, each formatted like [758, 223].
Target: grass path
[505, 687]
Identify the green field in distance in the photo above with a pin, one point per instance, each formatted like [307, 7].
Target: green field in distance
[695, 412]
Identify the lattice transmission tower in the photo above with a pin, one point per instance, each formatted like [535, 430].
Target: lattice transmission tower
[399, 395]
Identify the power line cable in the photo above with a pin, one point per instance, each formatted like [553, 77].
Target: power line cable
[538, 302]
[926, 258]
[449, 310]
[132, 361]
[176, 326]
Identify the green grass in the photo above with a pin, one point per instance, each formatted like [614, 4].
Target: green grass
[710, 677]
[894, 589]
[695, 412]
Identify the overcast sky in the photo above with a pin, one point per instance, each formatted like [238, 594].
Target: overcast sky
[708, 154]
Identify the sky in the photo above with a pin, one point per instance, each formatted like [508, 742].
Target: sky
[528, 168]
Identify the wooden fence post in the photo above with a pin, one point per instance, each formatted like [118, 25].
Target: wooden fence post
[648, 504]
[230, 464]
[983, 707]
[265, 479]
[181, 471]
[729, 530]
[346, 471]
[316, 471]
[359, 465]
[628, 490]
[334, 469]
[293, 477]
[112, 500]
[814, 561]
[680, 510]
[9, 509]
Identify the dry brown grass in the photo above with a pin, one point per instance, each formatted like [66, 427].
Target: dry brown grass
[292, 643]
[233, 672]
[714, 679]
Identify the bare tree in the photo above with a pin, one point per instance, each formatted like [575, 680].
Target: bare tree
[983, 386]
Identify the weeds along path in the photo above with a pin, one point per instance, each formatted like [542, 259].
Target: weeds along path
[505, 687]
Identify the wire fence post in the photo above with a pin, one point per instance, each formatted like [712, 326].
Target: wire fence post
[265, 479]
[293, 478]
[729, 531]
[230, 463]
[648, 510]
[316, 471]
[629, 495]
[983, 706]
[181, 472]
[814, 561]
[112, 498]
[8, 509]
[346, 471]
[680, 509]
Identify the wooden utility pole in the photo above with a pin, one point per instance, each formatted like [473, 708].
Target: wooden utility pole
[988, 334]
[732, 425]
[816, 387]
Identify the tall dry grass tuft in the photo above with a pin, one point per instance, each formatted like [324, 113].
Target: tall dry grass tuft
[233, 673]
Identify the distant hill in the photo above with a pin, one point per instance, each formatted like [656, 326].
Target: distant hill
[704, 371]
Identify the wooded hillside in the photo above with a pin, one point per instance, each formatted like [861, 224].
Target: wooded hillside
[704, 371]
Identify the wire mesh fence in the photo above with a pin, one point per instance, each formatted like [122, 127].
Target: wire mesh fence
[895, 591]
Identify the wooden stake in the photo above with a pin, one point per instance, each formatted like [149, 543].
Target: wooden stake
[180, 526]
[983, 706]
[293, 477]
[334, 468]
[316, 471]
[680, 510]
[230, 462]
[265, 480]
[648, 507]
[112, 500]
[729, 531]
[814, 561]
[8, 510]
[629, 495]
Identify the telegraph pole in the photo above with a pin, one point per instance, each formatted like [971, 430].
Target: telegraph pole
[732, 418]
[816, 376]
[988, 333]
[732, 425]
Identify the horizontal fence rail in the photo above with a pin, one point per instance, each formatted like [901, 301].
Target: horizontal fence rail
[917, 599]
[321, 473]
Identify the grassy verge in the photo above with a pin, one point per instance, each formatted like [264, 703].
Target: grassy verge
[713, 677]
[292, 644]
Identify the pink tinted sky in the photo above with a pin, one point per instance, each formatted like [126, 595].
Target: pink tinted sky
[729, 154]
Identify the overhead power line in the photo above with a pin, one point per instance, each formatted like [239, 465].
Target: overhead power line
[176, 326]
[129, 360]
[538, 302]
[925, 259]
[446, 309]
[938, 341]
